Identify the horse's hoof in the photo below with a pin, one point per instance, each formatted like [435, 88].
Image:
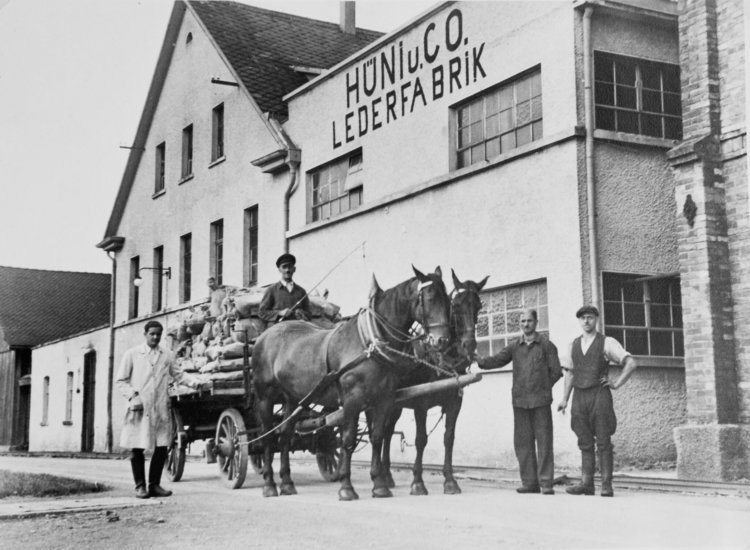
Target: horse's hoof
[270, 491]
[451, 488]
[381, 492]
[288, 489]
[348, 494]
[418, 489]
[389, 481]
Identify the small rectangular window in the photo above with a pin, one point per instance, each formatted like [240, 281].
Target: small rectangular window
[157, 289]
[45, 402]
[637, 96]
[69, 399]
[217, 251]
[217, 134]
[160, 163]
[499, 120]
[187, 151]
[251, 246]
[135, 265]
[186, 260]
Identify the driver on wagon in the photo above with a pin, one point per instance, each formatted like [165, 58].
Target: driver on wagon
[285, 300]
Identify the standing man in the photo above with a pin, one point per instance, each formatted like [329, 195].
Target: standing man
[592, 416]
[284, 300]
[536, 368]
[142, 379]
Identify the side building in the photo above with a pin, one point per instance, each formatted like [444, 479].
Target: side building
[38, 306]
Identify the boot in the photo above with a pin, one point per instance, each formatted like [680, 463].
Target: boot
[138, 465]
[606, 466]
[154, 473]
[586, 487]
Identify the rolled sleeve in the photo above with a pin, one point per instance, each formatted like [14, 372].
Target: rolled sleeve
[613, 351]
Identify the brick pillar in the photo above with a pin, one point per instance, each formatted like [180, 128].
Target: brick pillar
[713, 444]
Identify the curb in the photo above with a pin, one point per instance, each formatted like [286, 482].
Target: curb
[32, 509]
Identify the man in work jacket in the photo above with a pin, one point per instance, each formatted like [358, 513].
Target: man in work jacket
[285, 300]
[592, 416]
[143, 379]
[536, 368]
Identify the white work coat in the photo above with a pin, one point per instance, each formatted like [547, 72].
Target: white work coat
[149, 376]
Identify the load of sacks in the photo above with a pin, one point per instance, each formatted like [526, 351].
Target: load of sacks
[214, 343]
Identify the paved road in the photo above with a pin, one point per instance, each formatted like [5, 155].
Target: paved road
[489, 514]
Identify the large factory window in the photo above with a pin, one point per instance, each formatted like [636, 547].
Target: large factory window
[335, 188]
[499, 319]
[644, 313]
[499, 120]
[636, 96]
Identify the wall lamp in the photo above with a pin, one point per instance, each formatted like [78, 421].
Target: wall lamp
[138, 281]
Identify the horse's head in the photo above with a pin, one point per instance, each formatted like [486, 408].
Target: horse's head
[465, 307]
[432, 308]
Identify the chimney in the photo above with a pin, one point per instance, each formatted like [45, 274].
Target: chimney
[347, 18]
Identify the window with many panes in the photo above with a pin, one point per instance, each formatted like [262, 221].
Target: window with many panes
[187, 151]
[217, 251]
[186, 266]
[217, 133]
[644, 313]
[636, 96]
[335, 188]
[500, 120]
[499, 319]
[251, 246]
[160, 176]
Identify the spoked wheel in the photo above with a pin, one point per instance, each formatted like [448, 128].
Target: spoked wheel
[257, 461]
[329, 460]
[231, 454]
[175, 464]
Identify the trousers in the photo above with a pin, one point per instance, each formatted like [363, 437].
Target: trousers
[592, 418]
[532, 440]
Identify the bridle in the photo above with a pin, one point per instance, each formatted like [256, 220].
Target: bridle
[458, 332]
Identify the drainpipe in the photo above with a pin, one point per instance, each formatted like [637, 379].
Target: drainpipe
[588, 108]
[293, 164]
[111, 363]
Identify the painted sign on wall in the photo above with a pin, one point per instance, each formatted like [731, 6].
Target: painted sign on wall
[385, 87]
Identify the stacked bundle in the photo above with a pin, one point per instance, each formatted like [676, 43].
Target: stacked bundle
[213, 343]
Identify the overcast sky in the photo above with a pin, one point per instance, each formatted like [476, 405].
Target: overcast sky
[73, 80]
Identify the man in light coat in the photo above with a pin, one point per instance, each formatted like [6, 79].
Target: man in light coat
[143, 379]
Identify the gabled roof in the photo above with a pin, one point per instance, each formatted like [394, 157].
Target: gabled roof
[262, 48]
[38, 306]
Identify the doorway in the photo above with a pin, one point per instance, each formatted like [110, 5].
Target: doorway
[89, 386]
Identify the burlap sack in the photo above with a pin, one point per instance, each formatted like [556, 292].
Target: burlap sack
[248, 329]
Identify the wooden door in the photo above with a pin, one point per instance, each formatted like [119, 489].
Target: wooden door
[89, 386]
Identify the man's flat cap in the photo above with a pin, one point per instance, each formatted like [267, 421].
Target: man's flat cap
[286, 258]
[585, 310]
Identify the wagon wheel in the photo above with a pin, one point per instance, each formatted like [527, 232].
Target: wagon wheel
[231, 448]
[257, 461]
[329, 459]
[175, 464]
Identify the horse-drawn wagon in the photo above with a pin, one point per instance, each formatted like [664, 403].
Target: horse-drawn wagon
[301, 387]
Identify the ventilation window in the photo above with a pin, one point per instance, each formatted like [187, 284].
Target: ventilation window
[189, 38]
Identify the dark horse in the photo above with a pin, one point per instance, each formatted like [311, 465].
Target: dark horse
[465, 306]
[293, 360]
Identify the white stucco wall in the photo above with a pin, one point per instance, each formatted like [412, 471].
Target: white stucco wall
[56, 360]
[222, 191]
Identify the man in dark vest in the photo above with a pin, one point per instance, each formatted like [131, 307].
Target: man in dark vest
[284, 300]
[592, 416]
